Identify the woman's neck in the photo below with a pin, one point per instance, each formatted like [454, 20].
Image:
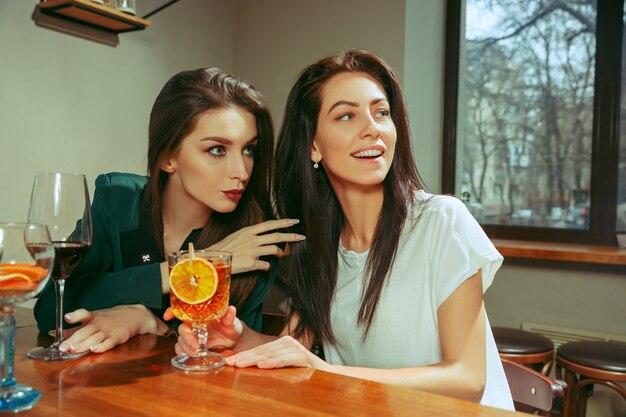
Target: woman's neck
[180, 217]
[361, 208]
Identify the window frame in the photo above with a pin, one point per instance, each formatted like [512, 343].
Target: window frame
[605, 129]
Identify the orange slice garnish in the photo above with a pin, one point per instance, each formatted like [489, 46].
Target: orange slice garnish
[193, 281]
[33, 272]
[20, 276]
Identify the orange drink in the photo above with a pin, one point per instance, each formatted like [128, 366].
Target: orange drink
[212, 308]
[20, 279]
[199, 293]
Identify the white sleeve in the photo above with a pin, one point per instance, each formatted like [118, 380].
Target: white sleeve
[459, 247]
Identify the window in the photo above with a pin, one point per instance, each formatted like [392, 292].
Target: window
[532, 115]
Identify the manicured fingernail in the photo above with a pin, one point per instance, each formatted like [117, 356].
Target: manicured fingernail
[75, 347]
[229, 361]
[94, 348]
[300, 237]
[64, 347]
[294, 221]
[52, 333]
[68, 316]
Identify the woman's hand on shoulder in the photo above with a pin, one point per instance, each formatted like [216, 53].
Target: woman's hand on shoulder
[281, 353]
[102, 330]
[223, 333]
[252, 242]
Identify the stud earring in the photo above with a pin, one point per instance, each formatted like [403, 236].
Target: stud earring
[316, 165]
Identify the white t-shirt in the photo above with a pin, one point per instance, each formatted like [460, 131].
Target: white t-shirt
[440, 247]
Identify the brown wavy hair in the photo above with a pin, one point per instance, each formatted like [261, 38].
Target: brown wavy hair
[176, 110]
[305, 193]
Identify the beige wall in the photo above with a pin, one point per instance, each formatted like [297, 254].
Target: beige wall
[423, 84]
[68, 104]
[276, 39]
[583, 297]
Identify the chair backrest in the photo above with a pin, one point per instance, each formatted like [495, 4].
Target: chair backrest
[534, 392]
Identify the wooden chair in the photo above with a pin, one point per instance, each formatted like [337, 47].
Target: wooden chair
[524, 347]
[534, 392]
[589, 363]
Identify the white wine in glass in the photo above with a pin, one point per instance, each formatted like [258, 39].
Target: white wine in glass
[61, 201]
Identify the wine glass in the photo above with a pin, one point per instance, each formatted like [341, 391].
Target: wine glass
[199, 293]
[61, 201]
[26, 259]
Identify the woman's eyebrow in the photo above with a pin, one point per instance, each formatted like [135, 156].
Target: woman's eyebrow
[224, 141]
[343, 103]
[354, 103]
[217, 139]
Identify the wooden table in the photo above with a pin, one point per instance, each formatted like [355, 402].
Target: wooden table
[136, 379]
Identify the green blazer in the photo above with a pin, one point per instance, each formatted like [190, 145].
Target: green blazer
[122, 266]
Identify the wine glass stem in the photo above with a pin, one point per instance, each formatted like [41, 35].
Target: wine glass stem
[59, 289]
[200, 329]
[7, 347]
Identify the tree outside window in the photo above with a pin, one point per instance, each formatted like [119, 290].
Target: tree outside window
[532, 122]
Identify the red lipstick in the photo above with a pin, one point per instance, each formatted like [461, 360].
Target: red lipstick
[233, 195]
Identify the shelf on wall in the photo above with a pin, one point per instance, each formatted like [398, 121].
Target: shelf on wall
[93, 14]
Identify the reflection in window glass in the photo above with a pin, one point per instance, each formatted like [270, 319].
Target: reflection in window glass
[621, 185]
[526, 112]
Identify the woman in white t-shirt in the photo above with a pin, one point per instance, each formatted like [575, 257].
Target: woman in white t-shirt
[390, 279]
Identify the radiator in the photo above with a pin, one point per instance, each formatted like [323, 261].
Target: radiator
[560, 335]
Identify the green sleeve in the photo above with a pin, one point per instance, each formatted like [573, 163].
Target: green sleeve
[251, 313]
[96, 291]
[98, 282]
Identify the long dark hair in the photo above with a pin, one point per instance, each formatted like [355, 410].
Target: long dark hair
[176, 110]
[305, 193]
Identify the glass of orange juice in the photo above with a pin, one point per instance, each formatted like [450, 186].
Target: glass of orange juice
[199, 293]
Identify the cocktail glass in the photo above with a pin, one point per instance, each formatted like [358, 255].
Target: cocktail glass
[199, 293]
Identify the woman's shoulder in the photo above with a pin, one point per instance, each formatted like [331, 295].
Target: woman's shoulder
[446, 205]
[119, 193]
[121, 181]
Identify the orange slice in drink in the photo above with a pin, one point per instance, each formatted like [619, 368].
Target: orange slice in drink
[20, 276]
[193, 281]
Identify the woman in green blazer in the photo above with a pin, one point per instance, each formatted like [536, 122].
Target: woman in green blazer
[210, 168]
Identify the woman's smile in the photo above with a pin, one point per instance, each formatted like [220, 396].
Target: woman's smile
[367, 154]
